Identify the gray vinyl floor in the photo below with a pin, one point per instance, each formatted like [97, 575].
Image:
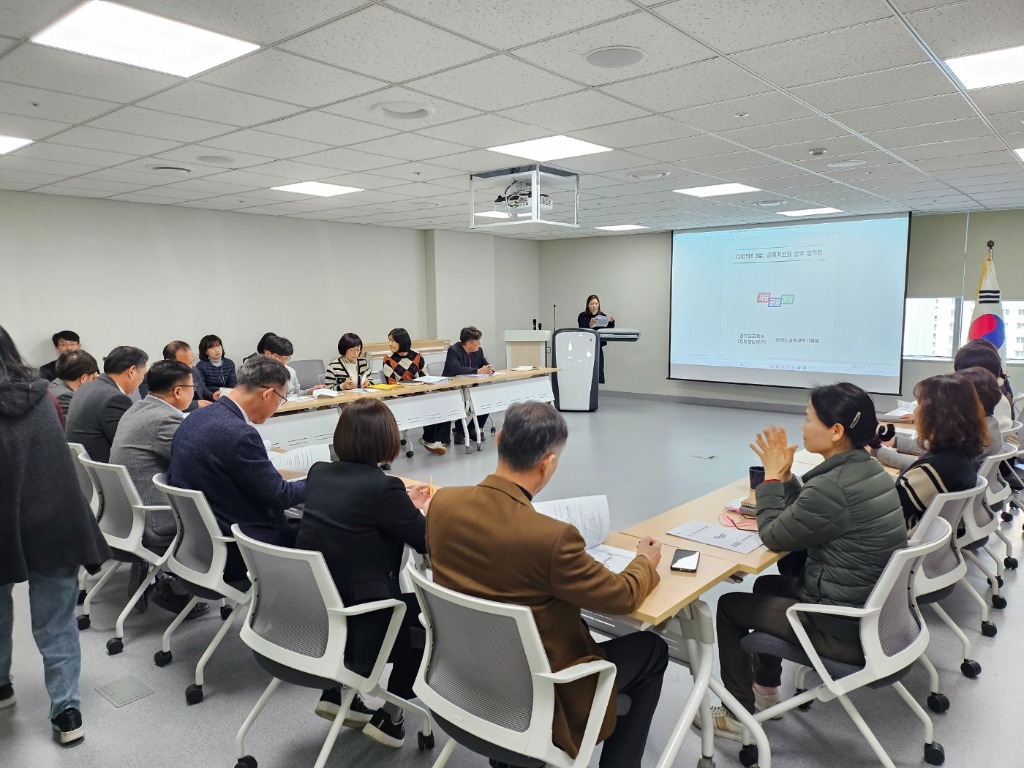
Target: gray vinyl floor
[647, 457]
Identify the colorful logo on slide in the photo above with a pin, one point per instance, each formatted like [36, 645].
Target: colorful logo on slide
[765, 297]
[989, 328]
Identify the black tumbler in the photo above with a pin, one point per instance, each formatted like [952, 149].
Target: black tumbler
[756, 476]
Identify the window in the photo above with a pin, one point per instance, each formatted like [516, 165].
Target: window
[1014, 344]
[928, 331]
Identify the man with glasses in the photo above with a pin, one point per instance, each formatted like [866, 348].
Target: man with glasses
[63, 341]
[218, 451]
[98, 405]
[280, 349]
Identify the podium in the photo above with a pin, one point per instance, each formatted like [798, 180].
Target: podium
[526, 348]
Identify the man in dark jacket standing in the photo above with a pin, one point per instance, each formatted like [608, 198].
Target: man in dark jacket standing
[47, 531]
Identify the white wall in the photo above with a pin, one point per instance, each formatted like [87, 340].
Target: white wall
[517, 292]
[460, 277]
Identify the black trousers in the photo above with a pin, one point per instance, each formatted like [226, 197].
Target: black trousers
[364, 640]
[640, 660]
[764, 610]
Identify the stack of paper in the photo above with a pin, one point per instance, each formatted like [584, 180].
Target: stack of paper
[719, 536]
[589, 516]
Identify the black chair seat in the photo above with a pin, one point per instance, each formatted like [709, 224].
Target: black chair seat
[934, 597]
[486, 748]
[974, 546]
[289, 675]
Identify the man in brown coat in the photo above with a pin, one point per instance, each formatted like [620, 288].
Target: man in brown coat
[544, 565]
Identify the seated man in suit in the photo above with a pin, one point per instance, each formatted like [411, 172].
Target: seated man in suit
[218, 451]
[549, 570]
[63, 341]
[98, 406]
[143, 445]
[74, 368]
[465, 358]
[201, 394]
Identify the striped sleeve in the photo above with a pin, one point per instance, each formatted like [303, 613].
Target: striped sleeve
[917, 487]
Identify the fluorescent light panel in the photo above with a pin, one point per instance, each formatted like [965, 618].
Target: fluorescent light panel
[1020, 153]
[982, 70]
[317, 188]
[128, 36]
[621, 228]
[717, 190]
[809, 212]
[551, 148]
[492, 215]
[11, 143]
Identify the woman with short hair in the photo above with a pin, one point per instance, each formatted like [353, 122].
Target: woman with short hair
[405, 364]
[350, 370]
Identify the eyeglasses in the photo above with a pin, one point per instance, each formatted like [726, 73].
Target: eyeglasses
[284, 398]
[177, 386]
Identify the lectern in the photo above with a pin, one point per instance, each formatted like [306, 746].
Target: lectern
[526, 348]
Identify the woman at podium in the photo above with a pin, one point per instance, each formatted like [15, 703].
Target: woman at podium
[593, 317]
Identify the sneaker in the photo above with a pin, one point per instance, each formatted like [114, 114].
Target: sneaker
[437, 448]
[6, 696]
[330, 702]
[763, 701]
[726, 726]
[384, 730]
[68, 726]
[458, 439]
[169, 600]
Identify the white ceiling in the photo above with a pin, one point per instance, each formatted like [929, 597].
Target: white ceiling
[861, 79]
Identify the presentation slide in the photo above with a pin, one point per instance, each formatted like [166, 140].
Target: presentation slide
[791, 305]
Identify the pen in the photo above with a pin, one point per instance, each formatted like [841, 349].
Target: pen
[430, 490]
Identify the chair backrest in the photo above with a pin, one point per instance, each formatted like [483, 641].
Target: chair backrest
[980, 521]
[945, 566]
[88, 490]
[1014, 428]
[121, 517]
[309, 372]
[293, 615]
[480, 668]
[897, 635]
[435, 368]
[201, 551]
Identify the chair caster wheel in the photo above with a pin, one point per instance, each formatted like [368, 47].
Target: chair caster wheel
[706, 762]
[1007, 517]
[1010, 562]
[988, 629]
[998, 601]
[386, 467]
[494, 430]
[225, 612]
[408, 454]
[748, 755]
[807, 705]
[970, 668]
[246, 762]
[162, 658]
[938, 702]
[84, 622]
[934, 754]
[403, 441]
[81, 597]
[425, 741]
[194, 695]
[114, 646]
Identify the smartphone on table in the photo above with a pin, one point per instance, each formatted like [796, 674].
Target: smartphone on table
[685, 560]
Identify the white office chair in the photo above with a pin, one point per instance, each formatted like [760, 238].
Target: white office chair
[77, 449]
[198, 559]
[485, 677]
[309, 372]
[981, 522]
[893, 635]
[297, 628]
[122, 520]
[435, 368]
[1016, 499]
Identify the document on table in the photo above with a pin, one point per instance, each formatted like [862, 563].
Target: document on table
[587, 514]
[903, 408]
[612, 558]
[429, 380]
[303, 457]
[326, 393]
[719, 536]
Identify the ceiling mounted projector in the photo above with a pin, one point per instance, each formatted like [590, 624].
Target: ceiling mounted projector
[537, 195]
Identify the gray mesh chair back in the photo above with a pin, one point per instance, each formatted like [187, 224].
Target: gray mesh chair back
[308, 371]
[945, 561]
[983, 516]
[77, 449]
[117, 495]
[195, 547]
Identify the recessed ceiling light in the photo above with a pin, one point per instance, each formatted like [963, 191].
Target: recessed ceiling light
[176, 170]
[769, 203]
[317, 188]
[492, 215]
[818, 152]
[809, 212]
[550, 148]
[716, 190]
[11, 143]
[621, 228]
[403, 110]
[846, 163]
[128, 36]
[215, 159]
[650, 175]
[982, 70]
[615, 57]
[742, 114]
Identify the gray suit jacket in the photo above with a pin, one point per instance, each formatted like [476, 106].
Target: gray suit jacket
[95, 411]
[62, 393]
[143, 445]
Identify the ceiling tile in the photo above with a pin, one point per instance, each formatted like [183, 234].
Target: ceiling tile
[50, 105]
[934, 109]
[362, 108]
[737, 25]
[29, 127]
[486, 130]
[326, 129]
[25, 19]
[99, 185]
[30, 178]
[190, 156]
[686, 149]
[44, 150]
[496, 83]
[604, 162]
[887, 87]
[140, 197]
[15, 186]
[930, 134]
[534, 19]
[836, 147]
[1000, 99]
[258, 21]
[175, 193]
[584, 109]
[632, 133]
[114, 141]
[250, 179]
[35, 65]
[293, 79]
[209, 185]
[140, 178]
[409, 49]
[977, 26]
[343, 159]
[1009, 124]
[420, 172]
[179, 157]
[764, 108]
[266, 144]
[361, 180]
[719, 164]
[148, 122]
[409, 146]
[691, 86]
[951, 148]
[294, 169]
[63, 189]
[663, 46]
[854, 51]
[788, 132]
[210, 102]
[976, 165]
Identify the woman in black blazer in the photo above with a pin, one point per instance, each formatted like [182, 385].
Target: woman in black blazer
[588, 318]
[361, 520]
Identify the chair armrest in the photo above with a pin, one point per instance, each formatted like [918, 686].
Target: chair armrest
[154, 507]
[832, 610]
[376, 605]
[793, 614]
[604, 688]
[575, 672]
